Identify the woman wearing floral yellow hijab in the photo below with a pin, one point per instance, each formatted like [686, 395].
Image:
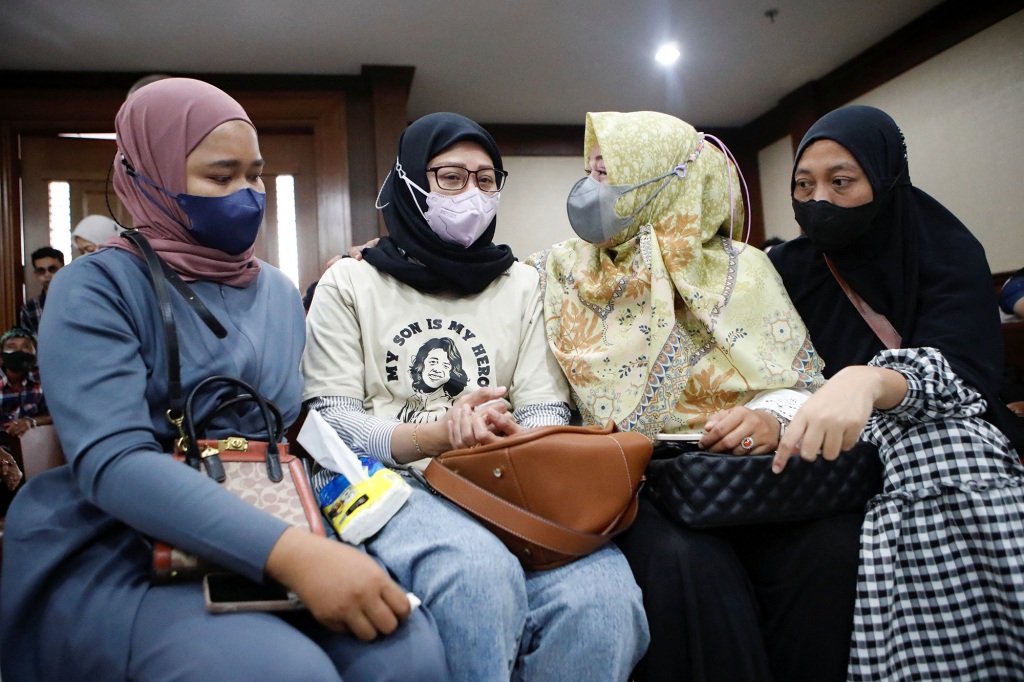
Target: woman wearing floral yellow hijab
[666, 322]
[663, 323]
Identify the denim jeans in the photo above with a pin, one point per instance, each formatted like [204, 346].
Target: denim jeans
[582, 621]
[174, 638]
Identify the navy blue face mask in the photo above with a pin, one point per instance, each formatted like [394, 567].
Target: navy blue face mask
[229, 224]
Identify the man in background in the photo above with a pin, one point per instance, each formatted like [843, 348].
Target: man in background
[45, 264]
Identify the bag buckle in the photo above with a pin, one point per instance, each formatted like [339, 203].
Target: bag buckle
[181, 442]
[233, 443]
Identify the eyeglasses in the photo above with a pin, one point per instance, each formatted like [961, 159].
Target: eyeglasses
[51, 269]
[456, 177]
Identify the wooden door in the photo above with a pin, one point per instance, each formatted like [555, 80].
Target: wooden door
[84, 163]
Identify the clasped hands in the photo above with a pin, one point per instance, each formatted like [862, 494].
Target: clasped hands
[480, 418]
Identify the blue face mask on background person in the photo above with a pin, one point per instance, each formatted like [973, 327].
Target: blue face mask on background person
[229, 223]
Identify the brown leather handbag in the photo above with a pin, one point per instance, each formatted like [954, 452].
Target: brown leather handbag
[552, 494]
[262, 473]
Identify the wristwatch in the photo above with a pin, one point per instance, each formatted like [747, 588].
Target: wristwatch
[783, 421]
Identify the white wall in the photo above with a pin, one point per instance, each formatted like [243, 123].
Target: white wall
[962, 113]
[775, 164]
[532, 212]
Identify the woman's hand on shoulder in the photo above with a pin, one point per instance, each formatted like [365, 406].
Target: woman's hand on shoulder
[356, 252]
[728, 431]
[833, 418]
[344, 589]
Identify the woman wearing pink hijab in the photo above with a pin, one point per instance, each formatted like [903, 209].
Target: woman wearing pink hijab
[77, 601]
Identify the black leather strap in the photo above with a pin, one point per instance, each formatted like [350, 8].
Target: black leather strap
[163, 297]
[181, 408]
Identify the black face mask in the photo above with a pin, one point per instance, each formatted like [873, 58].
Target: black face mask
[831, 227]
[19, 361]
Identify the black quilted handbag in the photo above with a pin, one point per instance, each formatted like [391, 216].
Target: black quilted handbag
[708, 490]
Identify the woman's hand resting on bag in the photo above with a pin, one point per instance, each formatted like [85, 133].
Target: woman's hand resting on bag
[832, 419]
[344, 589]
[726, 431]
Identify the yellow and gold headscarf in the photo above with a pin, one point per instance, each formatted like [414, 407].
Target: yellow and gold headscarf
[672, 323]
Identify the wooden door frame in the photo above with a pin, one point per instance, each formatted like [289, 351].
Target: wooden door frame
[88, 102]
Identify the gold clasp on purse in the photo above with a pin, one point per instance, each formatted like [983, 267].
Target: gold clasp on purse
[234, 443]
[181, 442]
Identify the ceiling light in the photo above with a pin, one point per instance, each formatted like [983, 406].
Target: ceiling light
[90, 136]
[667, 54]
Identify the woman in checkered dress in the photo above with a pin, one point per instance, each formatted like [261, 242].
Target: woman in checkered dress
[941, 584]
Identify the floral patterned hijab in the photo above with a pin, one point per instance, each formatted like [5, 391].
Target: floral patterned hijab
[673, 323]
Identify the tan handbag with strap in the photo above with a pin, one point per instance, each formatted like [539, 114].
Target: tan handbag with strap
[552, 494]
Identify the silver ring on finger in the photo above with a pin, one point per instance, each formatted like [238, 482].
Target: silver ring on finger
[747, 443]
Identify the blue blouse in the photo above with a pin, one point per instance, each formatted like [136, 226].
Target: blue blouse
[75, 546]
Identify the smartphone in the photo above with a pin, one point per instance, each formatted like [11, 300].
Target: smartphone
[231, 593]
[684, 437]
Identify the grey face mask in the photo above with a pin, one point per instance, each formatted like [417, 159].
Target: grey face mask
[591, 204]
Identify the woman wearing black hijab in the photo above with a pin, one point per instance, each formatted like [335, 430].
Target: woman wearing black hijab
[904, 253]
[940, 591]
[434, 300]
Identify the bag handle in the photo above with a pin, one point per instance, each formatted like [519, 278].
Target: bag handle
[521, 523]
[527, 435]
[214, 467]
[878, 322]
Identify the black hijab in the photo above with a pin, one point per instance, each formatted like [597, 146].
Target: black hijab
[411, 252]
[917, 265]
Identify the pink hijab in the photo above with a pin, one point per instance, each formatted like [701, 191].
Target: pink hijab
[157, 127]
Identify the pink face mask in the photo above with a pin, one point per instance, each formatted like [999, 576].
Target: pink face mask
[457, 218]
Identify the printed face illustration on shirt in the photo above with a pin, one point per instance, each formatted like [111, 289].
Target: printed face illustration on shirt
[437, 368]
[430, 363]
[438, 364]
[437, 379]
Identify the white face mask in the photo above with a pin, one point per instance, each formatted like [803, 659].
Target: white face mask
[457, 218]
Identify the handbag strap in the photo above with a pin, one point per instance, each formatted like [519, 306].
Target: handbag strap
[518, 521]
[180, 409]
[878, 322]
[159, 274]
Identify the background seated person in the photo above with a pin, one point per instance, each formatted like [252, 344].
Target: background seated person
[1011, 299]
[92, 232]
[46, 261]
[22, 405]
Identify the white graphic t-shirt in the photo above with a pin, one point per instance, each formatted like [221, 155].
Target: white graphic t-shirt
[409, 356]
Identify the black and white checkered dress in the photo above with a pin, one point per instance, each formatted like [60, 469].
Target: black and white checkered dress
[940, 594]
